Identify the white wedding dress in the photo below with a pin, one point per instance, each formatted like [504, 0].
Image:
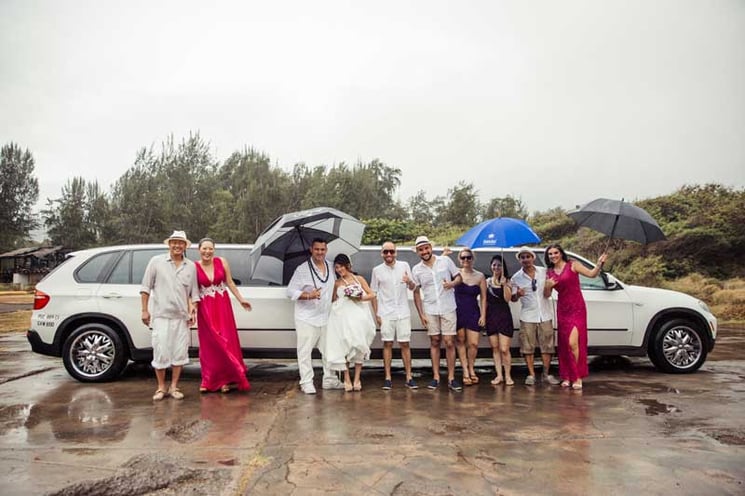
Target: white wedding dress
[350, 331]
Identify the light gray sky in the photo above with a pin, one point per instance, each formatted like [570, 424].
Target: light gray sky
[554, 102]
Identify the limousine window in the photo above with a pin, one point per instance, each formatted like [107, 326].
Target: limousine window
[93, 270]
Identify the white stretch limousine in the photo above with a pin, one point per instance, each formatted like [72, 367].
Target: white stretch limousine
[87, 311]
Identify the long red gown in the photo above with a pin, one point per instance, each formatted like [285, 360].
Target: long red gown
[220, 354]
[571, 312]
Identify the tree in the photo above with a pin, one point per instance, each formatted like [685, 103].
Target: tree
[508, 206]
[164, 191]
[462, 206]
[258, 192]
[19, 191]
[79, 218]
[423, 211]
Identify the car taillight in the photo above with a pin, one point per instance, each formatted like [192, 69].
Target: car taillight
[40, 299]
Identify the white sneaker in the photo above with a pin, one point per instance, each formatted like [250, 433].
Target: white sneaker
[333, 384]
[308, 388]
[550, 379]
[530, 380]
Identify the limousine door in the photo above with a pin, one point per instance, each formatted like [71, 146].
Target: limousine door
[610, 316]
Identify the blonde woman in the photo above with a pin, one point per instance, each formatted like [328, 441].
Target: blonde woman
[470, 300]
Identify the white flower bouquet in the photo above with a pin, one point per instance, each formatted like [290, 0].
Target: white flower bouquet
[354, 291]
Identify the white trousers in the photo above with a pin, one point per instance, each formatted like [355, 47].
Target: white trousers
[170, 338]
[309, 337]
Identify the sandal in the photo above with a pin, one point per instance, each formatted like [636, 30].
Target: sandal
[203, 390]
[496, 381]
[467, 381]
[474, 379]
[510, 382]
[577, 386]
[357, 386]
[348, 387]
[159, 395]
[176, 394]
[225, 389]
[565, 384]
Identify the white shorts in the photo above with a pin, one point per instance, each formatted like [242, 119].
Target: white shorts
[170, 338]
[396, 328]
[441, 324]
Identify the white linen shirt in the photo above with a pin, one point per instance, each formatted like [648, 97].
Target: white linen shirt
[436, 299]
[170, 287]
[313, 312]
[534, 307]
[392, 293]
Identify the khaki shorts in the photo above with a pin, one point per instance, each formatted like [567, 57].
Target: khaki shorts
[392, 328]
[441, 324]
[539, 334]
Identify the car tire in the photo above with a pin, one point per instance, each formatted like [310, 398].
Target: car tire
[678, 347]
[94, 353]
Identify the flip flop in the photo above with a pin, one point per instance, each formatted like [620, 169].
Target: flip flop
[467, 381]
[496, 381]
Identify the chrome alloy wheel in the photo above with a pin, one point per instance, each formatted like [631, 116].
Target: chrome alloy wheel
[92, 353]
[681, 346]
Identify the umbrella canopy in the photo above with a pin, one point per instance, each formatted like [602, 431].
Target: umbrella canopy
[501, 232]
[285, 244]
[618, 219]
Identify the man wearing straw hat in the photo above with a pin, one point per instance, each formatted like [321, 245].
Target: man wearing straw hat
[169, 295]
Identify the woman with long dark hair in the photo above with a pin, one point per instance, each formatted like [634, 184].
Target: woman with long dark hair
[571, 312]
[499, 326]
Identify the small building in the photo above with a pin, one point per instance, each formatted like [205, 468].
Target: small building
[25, 267]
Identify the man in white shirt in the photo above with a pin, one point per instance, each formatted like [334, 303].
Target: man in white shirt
[536, 314]
[169, 295]
[391, 281]
[434, 298]
[311, 288]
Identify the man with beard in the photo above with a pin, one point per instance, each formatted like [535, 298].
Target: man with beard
[434, 298]
[391, 281]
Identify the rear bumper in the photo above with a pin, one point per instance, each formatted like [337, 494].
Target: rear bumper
[39, 346]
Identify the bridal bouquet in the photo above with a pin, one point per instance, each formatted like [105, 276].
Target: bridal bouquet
[355, 292]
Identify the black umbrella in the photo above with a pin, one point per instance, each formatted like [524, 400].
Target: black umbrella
[618, 219]
[286, 242]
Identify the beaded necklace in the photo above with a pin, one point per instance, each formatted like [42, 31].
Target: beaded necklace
[313, 272]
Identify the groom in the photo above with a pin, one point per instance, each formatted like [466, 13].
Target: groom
[311, 288]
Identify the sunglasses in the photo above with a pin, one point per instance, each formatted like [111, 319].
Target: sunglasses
[466, 257]
[389, 252]
[534, 284]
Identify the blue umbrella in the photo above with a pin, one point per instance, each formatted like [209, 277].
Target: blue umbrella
[501, 232]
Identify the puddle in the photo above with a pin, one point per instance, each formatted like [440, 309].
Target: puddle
[189, 432]
[732, 437]
[614, 388]
[13, 417]
[654, 407]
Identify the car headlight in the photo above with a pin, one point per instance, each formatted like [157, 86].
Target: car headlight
[704, 306]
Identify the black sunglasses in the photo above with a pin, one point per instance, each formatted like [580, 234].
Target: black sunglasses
[466, 257]
[389, 252]
[534, 284]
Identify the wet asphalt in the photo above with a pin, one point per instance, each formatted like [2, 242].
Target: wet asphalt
[632, 430]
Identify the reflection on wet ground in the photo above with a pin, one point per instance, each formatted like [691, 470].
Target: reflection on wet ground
[630, 430]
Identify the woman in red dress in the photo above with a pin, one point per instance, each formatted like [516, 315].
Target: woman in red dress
[571, 312]
[220, 354]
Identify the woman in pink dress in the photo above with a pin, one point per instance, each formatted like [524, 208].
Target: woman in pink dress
[220, 354]
[571, 312]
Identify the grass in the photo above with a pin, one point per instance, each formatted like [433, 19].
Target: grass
[726, 298]
[15, 321]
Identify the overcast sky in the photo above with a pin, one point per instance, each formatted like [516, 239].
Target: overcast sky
[554, 102]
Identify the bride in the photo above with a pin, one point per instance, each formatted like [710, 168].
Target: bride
[351, 328]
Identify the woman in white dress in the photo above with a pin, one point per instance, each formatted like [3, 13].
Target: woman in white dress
[351, 327]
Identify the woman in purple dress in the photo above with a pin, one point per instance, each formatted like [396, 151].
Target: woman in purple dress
[571, 312]
[499, 325]
[470, 301]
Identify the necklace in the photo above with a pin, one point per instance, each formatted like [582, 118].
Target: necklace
[314, 271]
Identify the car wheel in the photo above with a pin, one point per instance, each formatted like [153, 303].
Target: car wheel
[94, 353]
[678, 347]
